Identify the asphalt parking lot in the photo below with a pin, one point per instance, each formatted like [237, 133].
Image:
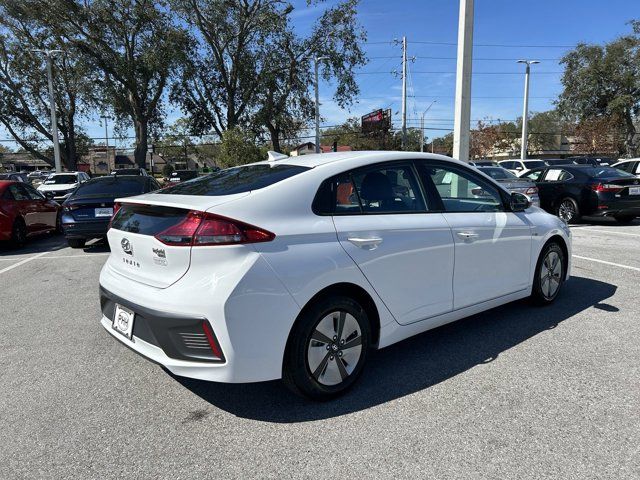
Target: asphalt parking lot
[515, 392]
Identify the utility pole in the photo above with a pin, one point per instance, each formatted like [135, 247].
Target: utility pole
[404, 93]
[525, 108]
[462, 110]
[106, 139]
[317, 92]
[422, 125]
[52, 105]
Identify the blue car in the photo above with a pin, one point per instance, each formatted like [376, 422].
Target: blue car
[87, 212]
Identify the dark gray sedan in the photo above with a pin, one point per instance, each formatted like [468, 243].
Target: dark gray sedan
[513, 183]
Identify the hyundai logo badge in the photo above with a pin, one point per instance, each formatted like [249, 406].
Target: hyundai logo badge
[126, 246]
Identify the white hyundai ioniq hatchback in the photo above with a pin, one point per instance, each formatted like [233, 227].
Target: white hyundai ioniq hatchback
[295, 268]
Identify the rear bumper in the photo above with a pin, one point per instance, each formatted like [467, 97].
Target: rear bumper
[248, 309]
[84, 229]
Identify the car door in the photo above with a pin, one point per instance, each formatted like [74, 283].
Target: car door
[492, 244]
[27, 208]
[553, 185]
[47, 211]
[544, 191]
[403, 249]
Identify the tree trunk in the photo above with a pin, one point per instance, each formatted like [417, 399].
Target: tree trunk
[71, 153]
[140, 152]
[274, 133]
[630, 136]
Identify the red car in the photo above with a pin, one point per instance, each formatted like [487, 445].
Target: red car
[25, 212]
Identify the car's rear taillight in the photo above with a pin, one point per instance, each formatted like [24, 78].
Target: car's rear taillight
[205, 229]
[116, 207]
[211, 338]
[606, 187]
[531, 191]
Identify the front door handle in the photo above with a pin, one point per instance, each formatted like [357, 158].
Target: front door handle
[468, 236]
[366, 243]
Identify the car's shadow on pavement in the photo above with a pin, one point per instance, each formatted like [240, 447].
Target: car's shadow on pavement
[414, 364]
[39, 244]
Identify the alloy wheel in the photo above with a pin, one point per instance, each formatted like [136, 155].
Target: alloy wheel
[550, 274]
[334, 348]
[567, 210]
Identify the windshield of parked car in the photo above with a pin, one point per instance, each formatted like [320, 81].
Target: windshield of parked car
[235, 180]
[61, 179]
[606, 172]
[112, 186]
[534, 164]
[498, 173]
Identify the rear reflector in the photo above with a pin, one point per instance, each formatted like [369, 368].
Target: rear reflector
[205, 229]
[211, 338]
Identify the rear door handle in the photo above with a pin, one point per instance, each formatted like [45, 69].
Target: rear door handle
[468, 235]
[366, 243]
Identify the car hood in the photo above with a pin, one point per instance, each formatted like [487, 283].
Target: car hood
[56, 187]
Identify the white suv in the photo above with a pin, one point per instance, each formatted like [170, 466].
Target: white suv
[519, 167]
[59, 186]
[295, 268]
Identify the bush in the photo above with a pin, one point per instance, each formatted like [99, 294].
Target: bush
[167, 170]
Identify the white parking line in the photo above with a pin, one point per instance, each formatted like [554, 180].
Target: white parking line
[605, 231]
[91, 255]
[11, 267]
[607, 263]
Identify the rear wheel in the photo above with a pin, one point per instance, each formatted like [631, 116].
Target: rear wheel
[18, 233]
[327, 349]
[76, 242]
[58, 223]
[568, 210]
[549, 274]
[624, 219]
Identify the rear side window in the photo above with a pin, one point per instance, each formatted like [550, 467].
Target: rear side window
[557, 175]
[112, 186]
[607, 172]
[387, 189]
[235, 180]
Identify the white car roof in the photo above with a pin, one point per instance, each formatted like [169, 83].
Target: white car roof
[318, 159]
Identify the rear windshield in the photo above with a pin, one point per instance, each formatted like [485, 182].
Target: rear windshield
[235, 180]
[534, 164]
[498, 173]
[112, 186]
[606, 172]
[147, 219]
[61, 179]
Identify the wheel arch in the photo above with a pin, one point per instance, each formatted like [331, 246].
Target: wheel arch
[565, 250]
[353, 291]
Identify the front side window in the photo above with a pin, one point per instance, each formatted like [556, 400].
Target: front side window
[461, 191]
[533, 175]
[19, 192]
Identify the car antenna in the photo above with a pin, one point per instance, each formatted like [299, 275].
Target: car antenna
[275, 156]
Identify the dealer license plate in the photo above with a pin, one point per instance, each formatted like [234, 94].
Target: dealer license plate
[104, 212]
[123, 321]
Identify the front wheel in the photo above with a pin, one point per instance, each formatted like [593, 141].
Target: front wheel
[327, 349]
[18, 233]
[549, 275]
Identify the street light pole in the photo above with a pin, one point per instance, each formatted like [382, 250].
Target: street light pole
[317, 92]
[525, 108]
[52, 105]
[422, 125]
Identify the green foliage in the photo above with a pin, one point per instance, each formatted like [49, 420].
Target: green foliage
[167, 170]
[602, 81]
[239, 148]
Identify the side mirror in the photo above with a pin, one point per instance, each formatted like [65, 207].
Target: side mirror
[518, 168]
[519, 202]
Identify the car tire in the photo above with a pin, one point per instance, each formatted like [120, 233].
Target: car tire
[568, 210]
[624, 219]
[549, 274]
[76, 242]
[18, 233]
[58, 223]
[322, 359]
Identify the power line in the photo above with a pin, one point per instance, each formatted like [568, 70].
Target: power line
[497, 45]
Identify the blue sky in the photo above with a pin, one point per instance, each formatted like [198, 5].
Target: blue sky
[542, 23]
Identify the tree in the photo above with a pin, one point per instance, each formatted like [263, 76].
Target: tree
[602, 81]
[238, 148]
[24, 96]
[545, 131]
[133, 47]
[249, 69]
